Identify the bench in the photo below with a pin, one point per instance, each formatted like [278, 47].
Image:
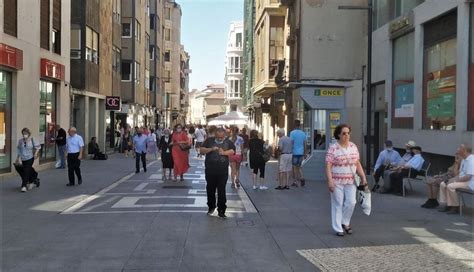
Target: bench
[460, 192]
[422, 176]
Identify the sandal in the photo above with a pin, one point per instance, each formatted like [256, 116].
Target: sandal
[347, 229]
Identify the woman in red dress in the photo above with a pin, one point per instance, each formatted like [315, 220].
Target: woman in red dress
[180, 151]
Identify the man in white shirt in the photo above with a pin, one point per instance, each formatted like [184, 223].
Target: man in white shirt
[447, 193]
[75, 148]
[412, 168]
[200, 135]
[387, 158]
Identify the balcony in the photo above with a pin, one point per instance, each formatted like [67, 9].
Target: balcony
[232, 71]
[235, 47]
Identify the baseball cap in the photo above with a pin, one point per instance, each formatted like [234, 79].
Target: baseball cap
[388, 143]
[411, 143]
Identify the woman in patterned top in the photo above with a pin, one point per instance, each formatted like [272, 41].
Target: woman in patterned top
[342, 163]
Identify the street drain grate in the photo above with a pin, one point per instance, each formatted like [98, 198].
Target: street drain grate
[177, 187]
[245, 223]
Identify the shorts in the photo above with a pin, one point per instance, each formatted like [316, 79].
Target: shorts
[297, 160]
[285, 163]
[235, 158]
[199, 144]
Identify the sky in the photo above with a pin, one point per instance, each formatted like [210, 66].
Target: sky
[204, 31]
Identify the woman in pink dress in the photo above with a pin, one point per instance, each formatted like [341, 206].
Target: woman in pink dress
[180, 151]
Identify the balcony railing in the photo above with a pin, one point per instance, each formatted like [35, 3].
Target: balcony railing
[235, 71]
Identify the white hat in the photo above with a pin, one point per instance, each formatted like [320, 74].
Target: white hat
[411, 143]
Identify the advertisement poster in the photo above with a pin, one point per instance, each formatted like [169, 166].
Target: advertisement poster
[334, 120]
[404, 107]
[441, 101]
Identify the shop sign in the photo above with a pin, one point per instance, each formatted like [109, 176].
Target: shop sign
[329, 92]
[11, 57]
[404, 101]
[442, 97]
[112, 103]
[51, 69]
[401, 26]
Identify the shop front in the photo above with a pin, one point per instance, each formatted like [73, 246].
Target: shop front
[321, 109]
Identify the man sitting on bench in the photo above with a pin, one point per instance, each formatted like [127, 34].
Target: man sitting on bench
[387, 158]
[412, 167]
[448, 193]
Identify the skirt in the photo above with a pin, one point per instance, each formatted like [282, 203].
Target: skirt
[167, 160]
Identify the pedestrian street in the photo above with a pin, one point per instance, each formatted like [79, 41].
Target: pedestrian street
[149, 193]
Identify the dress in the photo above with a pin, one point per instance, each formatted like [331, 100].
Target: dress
[180, 157]
[166, 158]
[151, 144]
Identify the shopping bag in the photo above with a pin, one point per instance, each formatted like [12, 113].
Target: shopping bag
[364, 199]
[58, 164]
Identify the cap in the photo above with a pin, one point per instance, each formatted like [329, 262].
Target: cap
[411, 143]
[388, 143]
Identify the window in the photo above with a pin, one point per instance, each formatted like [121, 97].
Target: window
[10, 17]
[439, 83]
[147, 44]
[56, 41]
[152, 84]
[238, 40]
[152, 52]
[276, 43]
[404, 6]
[147, 8]
[167, 77]
[403, 107]
[137, 72]
[126, 30]
[381, 13]
[44, 24]
[168, 13]
[117, 11]
[75, 42]
[167, 34]
[126, 71]
[116, 56]
[147, 79]
[47, 120]
[92, 45]
[152, 21]
[56, 33]
[470, 105]
[5, 120]
[137, 30]
[167, 55]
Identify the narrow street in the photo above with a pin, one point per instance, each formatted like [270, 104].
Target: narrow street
[121, 221]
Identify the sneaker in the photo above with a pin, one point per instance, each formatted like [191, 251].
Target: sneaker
[29, 186]
[431, 204]
[37, 182]
[286, 188]
[222, 215]
[69, 184]
[263, 188]
[23, 189]
[424, 204]
[279, 188]
[254, 187]
[211, 211]
[294, 184]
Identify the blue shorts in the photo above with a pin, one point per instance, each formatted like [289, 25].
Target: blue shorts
[297, 160]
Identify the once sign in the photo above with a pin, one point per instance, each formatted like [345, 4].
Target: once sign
[112, 103]
[328, 92]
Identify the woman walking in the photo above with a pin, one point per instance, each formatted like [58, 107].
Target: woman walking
[236, 159]
[180, 152]
[126, 142]
[257, 162]
[166, 158]
[342, 164]
[28, 150]
[151, 144]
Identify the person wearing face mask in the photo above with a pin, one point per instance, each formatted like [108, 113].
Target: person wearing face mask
[140, 147]
[165, 148]
[408, 154]
[217, 150]
[28, 150]
[387, 158]
[180, 152]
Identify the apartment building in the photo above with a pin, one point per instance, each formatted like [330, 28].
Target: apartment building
[423, 76]
[184, 86]
[34, 74]
[234, 66]
[207, 103]
[248, 64]
[156, 58]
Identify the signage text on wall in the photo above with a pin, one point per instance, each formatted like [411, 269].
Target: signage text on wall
[11, 57]
[329, 92]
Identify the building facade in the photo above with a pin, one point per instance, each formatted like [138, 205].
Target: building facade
[34, 75]
[206, 104]
[156, 58]
[184, 86]
[248, 54]
[423, 76]
[234, 66]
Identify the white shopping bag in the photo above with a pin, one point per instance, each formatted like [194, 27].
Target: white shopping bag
[58, 164]
[364, 200]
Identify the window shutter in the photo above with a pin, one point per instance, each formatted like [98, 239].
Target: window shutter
[44, 24]
[10, 17]
[57, 14]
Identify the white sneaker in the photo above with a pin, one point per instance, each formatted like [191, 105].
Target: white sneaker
[23, 189]
[254, 187]
[30, 186]
[263, 188]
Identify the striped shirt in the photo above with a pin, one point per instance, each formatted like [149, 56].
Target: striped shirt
[344, 162]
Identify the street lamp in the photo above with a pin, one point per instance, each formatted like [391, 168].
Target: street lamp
[368, 139]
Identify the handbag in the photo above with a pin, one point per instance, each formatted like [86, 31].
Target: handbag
[184, 147]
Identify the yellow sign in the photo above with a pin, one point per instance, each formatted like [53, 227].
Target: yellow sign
[334, 119]
[329, 92]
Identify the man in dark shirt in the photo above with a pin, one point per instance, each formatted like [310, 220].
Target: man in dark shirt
[217, 150]
[61, 143]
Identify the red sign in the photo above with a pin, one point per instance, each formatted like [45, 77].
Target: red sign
[51, 69]
[11, 57]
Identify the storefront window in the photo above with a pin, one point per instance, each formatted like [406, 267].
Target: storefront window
[319, 138]
[47, 120]
[403, 84]
[439, 88]
[5, 121]
[470, 107]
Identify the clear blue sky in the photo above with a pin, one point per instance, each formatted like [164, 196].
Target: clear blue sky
[205, 26]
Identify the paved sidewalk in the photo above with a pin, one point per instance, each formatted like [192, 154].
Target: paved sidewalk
[119, 221]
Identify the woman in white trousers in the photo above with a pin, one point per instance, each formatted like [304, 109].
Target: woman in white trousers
[342, 165]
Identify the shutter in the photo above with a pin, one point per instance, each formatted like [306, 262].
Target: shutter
[57, 15]
[44, 24]
[10, 17]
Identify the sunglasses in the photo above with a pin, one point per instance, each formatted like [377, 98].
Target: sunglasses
[345, 133]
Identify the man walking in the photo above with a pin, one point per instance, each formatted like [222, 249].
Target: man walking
[298, 139]
[200, 135]
[217, 150]
[140, 147]
[75, 149]
[284, 149]
[61, 143]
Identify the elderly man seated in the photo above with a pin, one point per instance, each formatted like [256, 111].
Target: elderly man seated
[412, 167]
[387, 158]
[448, 193]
